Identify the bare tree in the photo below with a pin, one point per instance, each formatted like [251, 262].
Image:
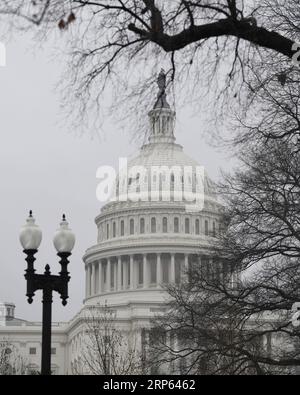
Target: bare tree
[239, 324]
[121, 44]
[107, 349]
[11, 361]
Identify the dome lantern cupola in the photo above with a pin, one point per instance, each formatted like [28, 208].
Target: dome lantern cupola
[162, 118]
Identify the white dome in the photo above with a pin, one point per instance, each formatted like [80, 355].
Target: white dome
[161, 168]
[162, 154]
[171, 156]
[145, 243]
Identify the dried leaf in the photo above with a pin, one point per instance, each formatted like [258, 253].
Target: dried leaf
[71, 17]
[62, 24]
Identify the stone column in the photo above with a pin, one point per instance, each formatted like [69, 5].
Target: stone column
[158, 270]
[93, 278]
[132, 283]
[115, 266]
[185, 275]
[119, 275]
[100, 277]
[145, 271]
[172, 269]
[96, 291]
[125, 274]
[108, 275]
[86, 281]
[90, 279]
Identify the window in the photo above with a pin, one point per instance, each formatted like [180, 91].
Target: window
[165, 225]
[165, 270]
[114, 229]
[197, 227]
[176, 225]
[107, 231]
[152, 271]
[122, 228]
[187, 225]
[178, 271]
[131, 226]
[142, 225]
[214, 229]
[53, 351]
[153, 225]
[206, 228]
[32, 351]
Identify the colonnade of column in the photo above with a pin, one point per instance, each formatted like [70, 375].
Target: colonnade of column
[129, 272]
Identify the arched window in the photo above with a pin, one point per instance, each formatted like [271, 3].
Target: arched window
[197, 227]
[187, 225]
[122, 228]
[176, 225]
[107, 231]
[131, 226]
[214, 229]
[153, 225]
[142, 225]
[206, 228]
[114, 229]
[165, 225]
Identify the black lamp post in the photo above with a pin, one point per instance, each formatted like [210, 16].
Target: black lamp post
[64, 240]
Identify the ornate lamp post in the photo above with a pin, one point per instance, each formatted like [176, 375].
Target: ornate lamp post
[64, 240]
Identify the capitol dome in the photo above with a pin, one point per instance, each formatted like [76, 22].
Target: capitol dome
[170, 156]
[163, 215]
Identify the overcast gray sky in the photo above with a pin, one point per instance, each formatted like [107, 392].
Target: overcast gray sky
[46, 168]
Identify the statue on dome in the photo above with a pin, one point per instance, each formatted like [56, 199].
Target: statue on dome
[161, 101]
[161, 81]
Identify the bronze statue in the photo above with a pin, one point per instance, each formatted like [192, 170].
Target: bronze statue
[161, 101]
